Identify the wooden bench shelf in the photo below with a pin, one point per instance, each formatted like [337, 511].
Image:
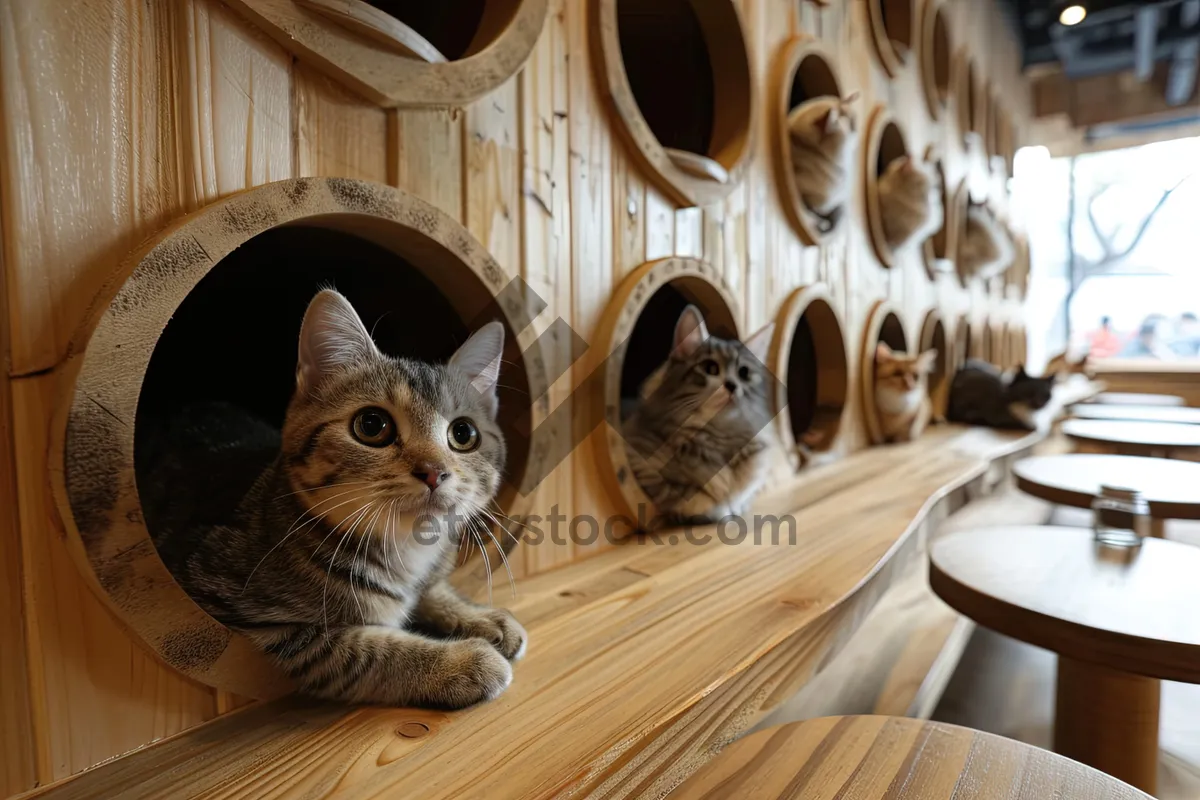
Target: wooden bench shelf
[643, 662]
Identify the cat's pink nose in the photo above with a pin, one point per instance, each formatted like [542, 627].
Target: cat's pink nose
[432, 475]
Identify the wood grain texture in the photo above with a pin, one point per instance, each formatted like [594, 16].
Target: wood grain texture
[1184, 416]
[882, 757]
[1172, 488]
[1108, 719]
[799, 601]
[336, 133]
[1054, 588]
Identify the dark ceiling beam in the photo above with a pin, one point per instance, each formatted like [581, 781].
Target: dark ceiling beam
[1143, 43]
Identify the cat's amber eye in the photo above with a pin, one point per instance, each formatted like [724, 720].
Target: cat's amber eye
[744, 373]
[463, 436]
[374, 427]
[711, 367]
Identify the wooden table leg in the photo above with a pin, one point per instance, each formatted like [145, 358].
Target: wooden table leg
[1108, 720]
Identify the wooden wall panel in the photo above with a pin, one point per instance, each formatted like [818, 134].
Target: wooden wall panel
[119, 116]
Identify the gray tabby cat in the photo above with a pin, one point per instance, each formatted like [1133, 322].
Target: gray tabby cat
[335, 560]
[982, 395]
[697, 441]
[823, 137]
[985, 249]
[910, 204]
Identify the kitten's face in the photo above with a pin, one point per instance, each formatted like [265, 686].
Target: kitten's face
[713, 377]
[371, 442]
[1033, 392]
[902, 374]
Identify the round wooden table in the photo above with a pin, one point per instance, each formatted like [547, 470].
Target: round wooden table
[1161, 439]
[884, 757]
[1120, 620]
[1172, 488]
[1185, 416]
[1136, 399]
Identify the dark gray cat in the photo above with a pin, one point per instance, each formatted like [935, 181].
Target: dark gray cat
[982, 395]
[329, 543]
[697, 439]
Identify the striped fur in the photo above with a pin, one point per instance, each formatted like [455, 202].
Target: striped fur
[822, 135]
[335, 559]
[697, 439]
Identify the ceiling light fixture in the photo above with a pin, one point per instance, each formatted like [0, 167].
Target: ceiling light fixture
[1072, 15]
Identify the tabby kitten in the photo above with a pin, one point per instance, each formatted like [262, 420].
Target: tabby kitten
[981, 394]
[335, 560]
[985, 249]
[823, 137]
[697, 440]
[910, 204]
[902, 393]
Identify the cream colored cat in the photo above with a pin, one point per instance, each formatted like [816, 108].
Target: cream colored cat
[909, 202]
[902, 393]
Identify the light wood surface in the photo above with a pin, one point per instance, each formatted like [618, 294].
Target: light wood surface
[883, 757]
[1120, 411]
[1176, 379]
[799, 602]
[1172, 488]
[1136, 398]
[1055, 588]
[1134, 438]
[191, 101]
[377, 25]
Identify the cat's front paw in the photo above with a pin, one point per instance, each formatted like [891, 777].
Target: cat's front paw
[500, 628]
[474, 673]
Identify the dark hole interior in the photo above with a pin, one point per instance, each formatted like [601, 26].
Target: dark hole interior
[891, 333]
[234, 338]
[940, 240]
[449, 25]
[985, 344]
[813, 78]
[897, 22]
[816, 376]
[669, 69]
[937, 340]
[891, 147]
[941, 56]
[653, 334]
[964, 342]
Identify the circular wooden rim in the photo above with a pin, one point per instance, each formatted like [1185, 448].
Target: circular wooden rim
[834, 365]
[939, 392]
[966, 95]
[891, 59]
[793, 53]
[389, 78]
[1068, 496]
[612, 338]
[962, 341]
[92, 469]
[877, 125]
[960, 205]
[938, 250]
[879, 313]
[1068, 638]
[734, 86]
[935, 39]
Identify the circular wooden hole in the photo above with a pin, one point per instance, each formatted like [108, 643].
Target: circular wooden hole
[938, 250]
[634, 338]
[962, 203]
[804, 77]
[933, 336]
[966, 91]
[883, 325]
[210, 310]
[809, 354]
[884, 144]
[962, 342]
[404, 53]
[892, 30]
[688, 118]
[936, 58]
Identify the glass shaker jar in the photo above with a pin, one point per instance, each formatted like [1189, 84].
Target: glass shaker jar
[1121, 517]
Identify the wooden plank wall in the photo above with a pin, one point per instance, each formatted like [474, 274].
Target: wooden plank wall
[120, 115]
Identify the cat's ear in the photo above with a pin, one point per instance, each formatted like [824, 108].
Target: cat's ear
[828, 121]
[690, 333]
[883, 352]
[1021, 374]
[479, 359]
[926, 360]
[760, 343]
[332, 337]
